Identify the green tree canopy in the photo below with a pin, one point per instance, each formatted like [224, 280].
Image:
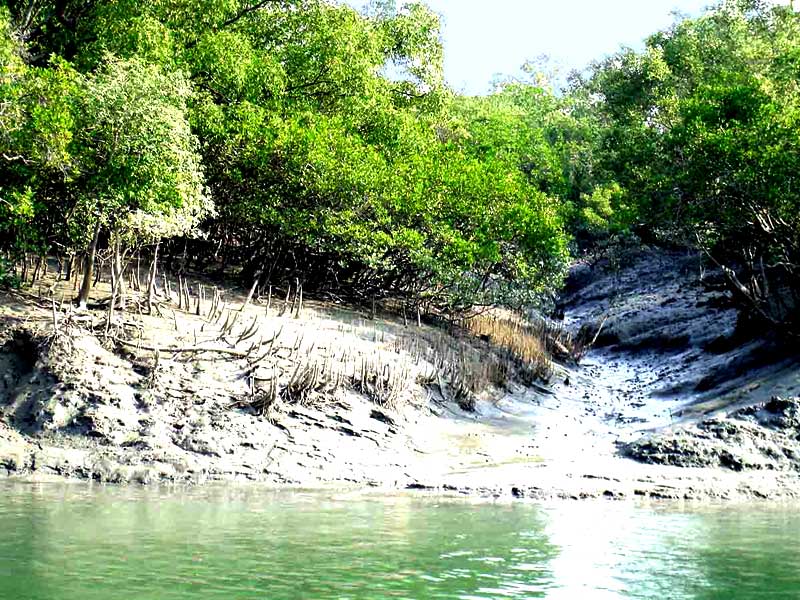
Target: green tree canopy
[701, 130]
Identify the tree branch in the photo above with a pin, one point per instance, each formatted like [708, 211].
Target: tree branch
[185, 350]
[246, 11]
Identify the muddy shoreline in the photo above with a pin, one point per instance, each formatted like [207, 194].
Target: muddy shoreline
[676, 401]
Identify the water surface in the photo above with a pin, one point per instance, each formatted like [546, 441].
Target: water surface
[84, 542]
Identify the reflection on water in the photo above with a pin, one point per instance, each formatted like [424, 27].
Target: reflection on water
[65, 542]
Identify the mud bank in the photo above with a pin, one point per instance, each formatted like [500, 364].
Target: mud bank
[764, 437]
[678, 399]
[84, 407]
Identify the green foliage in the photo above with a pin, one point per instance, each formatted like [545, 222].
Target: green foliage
[412, 43]
[595, 217]
[10, 60]
[7, 277]
[138, 161]
[308, 140]
[702, 133]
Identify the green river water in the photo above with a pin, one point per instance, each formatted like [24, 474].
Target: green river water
[82, 542]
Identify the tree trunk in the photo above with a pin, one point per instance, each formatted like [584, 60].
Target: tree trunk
[97, 273]
[113, 304]
[252, 291]
[36, 270]
[68, 269]
[137, 281]
[151, 285]
[88, 269]
[117, 271]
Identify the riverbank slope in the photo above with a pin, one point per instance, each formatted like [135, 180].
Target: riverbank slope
[373, 402]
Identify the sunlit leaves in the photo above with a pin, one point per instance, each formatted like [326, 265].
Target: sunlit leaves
[325, 138]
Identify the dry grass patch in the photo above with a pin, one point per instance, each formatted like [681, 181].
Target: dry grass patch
[525, 340]
[534, 341]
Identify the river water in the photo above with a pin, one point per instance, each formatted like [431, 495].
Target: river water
[83, 542]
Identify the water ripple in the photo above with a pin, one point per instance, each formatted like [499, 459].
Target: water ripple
[64, 542]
